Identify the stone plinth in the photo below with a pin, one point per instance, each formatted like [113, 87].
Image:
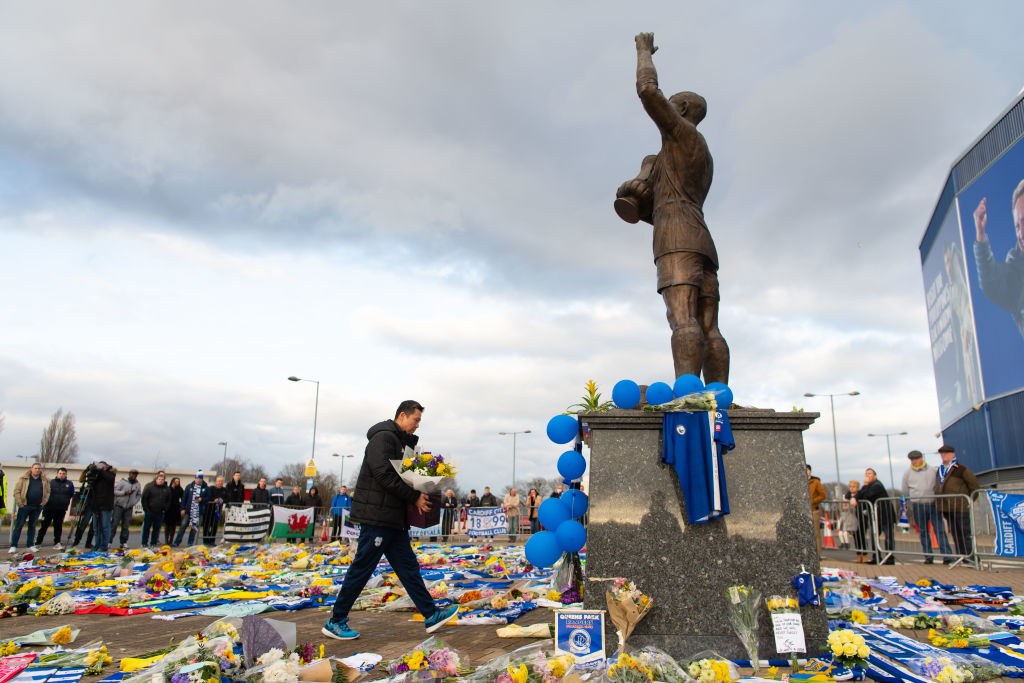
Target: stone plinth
[639, 530]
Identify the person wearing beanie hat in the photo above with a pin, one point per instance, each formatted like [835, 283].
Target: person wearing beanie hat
[193, 505]
[919, 487]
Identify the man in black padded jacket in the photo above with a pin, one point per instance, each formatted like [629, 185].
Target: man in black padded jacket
[379, 506]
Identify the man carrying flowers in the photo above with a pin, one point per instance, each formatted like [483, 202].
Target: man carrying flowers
[379, 506]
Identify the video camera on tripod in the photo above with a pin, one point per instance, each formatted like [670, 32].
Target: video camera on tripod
[81, 504]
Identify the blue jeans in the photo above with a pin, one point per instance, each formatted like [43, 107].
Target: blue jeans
[28, 513]
[123, 517]
[186, 523]
[923, 514]
[375, 541]
[152, 521]
[101, 530]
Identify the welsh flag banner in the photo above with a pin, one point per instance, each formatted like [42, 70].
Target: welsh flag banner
[292, 522]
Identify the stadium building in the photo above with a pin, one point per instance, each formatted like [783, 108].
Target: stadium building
[972, 261]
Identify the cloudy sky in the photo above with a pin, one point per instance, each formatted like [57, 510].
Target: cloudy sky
[414, 200]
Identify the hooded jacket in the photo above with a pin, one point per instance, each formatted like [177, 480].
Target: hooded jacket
[381, 496]
[127, 493]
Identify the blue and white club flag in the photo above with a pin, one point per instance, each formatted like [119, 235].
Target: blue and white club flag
[1008, 512]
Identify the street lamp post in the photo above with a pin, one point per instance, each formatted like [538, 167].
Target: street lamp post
[224, 460]
[835, 440]
[892, 477]
[341, 481]
[514, 434]
[316, 407]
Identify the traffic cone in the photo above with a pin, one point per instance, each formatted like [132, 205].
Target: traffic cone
[828, 541]
[325, 535]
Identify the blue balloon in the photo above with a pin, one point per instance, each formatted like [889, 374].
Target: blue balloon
[626, 394]
[575, 503]
[686, 385]
[563, 428]
[542, 550]
[551, 513]
[571, 536]
[571, 465]
[659, 393]
[723, 394]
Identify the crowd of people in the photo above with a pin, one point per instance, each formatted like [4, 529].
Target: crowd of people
[103, 507]
[937, 505]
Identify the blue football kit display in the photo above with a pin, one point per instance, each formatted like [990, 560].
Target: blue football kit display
[693, 445]
[808, 587]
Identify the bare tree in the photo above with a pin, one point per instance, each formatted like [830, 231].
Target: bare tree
[293, 473]
[59, 443]
[251, 472]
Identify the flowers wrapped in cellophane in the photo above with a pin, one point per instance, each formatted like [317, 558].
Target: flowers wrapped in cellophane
[710, 667]
[534, 663]
[627, 605]
[780, 605]
[426, 472]
[743, 602]
[430, 659]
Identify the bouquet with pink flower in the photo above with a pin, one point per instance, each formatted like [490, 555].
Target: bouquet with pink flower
[431, 656]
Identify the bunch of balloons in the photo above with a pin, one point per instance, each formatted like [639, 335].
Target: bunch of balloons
[559, 516]
[626, 392]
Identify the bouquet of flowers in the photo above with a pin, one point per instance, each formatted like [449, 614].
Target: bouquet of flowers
[664, 667]
[743, 602]
[158, 583]
[913, 621]
[848, 648]
[62, 603]
[425, 471]
[780, 605]
[699, 401]
[430, 474]
[534, 663]
[626, 607]
[430, 656]
[941, 669]
[629, 669]
[711, 669]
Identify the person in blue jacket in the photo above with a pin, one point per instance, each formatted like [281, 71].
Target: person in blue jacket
[193, 504]
[341, 502]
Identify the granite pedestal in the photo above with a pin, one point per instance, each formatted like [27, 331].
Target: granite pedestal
[638, 529]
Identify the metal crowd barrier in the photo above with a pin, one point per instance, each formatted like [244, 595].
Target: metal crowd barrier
[877, 534]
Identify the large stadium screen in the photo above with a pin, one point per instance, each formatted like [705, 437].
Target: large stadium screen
[954, 348]
[992, 218]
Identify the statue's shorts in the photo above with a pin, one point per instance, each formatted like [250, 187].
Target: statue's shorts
[688, 268]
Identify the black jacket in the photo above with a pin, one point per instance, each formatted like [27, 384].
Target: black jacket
[259, 495]
[236, 492]
[155, 497]
[173, 510]
[61, 492]
[488, 500]
[297, 499]
[873, 492]
[103, 490]
[381, 496]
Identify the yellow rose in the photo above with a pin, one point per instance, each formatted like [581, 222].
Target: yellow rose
[849, 650]
[837, 650]
[407, 462]
[425, 457]
[863, 651]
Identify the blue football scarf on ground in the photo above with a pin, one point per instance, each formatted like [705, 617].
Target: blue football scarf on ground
[691, 450]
